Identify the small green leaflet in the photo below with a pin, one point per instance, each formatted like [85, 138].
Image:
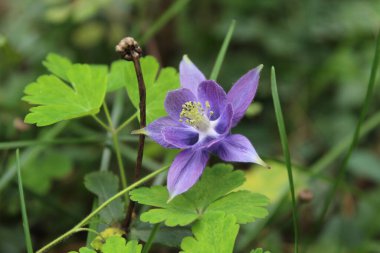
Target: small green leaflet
[245, 205]
[213, 233]
[115, 244]
[211, 194]
[71, 91]
[105, 184]
[158, 83]
[57, 65]
[178, 212]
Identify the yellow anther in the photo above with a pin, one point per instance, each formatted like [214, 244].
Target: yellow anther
[208, 106]
[194, 115]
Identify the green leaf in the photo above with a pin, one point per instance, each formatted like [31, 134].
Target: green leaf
[117, 75]
[214, 233]
[117, 244]
[208, 195]
[58, 65]
[57, 101]
[245, 205]
[40, 172]
[176, 212]
[215, 183]
[105, 184]
[157, 83]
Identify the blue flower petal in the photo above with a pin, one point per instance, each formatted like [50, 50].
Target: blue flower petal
[243, 92]
[180, 137]
[185, 171]
[237, 148]
[154, 130]
[174, 101]
[211, 92]
[223, 124]
[190, 75]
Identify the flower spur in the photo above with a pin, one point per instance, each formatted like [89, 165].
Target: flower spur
[200, 117]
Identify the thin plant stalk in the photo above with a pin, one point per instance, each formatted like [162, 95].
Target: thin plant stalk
[285, 148]
[106, 154]
[355, 137]
[108, 115]
[31, 153]
[81, 140]
[119, 159]
[322, 163]
[127, 122]
[130, 50]
[222, 52]
[101, 123]
[25, 223]
[115, 141]
[100, 208]
[152, 235]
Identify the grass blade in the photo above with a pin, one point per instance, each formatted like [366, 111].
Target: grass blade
[322, 163]
[152, 235]
[285, 148]
[25, 222]
[355, 137]
[171, 12]
[219, 60]
[31, 153]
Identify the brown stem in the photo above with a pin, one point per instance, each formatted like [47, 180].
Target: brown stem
[131, 51]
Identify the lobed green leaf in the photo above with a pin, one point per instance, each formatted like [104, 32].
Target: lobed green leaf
[246, 206]
[56, 100]
[208, 195]
[157, 83]
[213, 233]
[58, 65]
[115, 244]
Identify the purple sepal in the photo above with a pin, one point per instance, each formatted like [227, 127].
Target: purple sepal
[154, 130]
[224, 122]
[211, 92]
[180, 137]
[190, 75]
[243, 92]
[237, 148]
[185, 171]
[175, 99]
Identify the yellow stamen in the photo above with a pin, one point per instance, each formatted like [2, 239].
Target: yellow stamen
[194, 115]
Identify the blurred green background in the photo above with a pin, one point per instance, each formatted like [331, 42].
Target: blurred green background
[322, 51]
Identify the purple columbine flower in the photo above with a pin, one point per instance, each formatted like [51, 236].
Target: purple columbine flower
[200, 119]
